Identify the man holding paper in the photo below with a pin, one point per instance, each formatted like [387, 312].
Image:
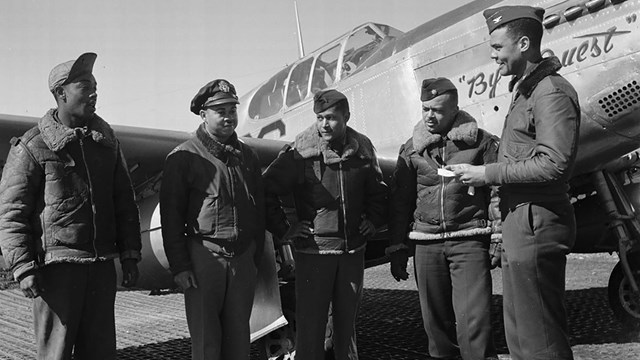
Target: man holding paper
[447, 223]
[536, 160]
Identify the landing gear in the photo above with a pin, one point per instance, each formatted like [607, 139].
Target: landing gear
[623, 300]
[280, 344]
[624, 291]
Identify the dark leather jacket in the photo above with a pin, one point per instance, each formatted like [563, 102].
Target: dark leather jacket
[540, 138]
[427, 206]
[66, 196]
[211, 193]
[334, 192]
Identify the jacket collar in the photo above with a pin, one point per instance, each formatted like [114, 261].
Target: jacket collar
[309, 144]
[217, 148]
[57, 135]
[464, 128]
[534, 74]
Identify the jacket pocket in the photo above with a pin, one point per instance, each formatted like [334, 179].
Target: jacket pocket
[74, 226]
[326, 221]
[62, 182]
[209, 215]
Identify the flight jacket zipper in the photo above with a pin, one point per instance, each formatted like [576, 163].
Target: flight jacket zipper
[343, 205]
[81, 135]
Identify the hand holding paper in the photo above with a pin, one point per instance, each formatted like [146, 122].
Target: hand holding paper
[468, 174]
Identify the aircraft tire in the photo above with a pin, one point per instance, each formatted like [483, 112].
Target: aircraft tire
[622, 300]
[281, 343]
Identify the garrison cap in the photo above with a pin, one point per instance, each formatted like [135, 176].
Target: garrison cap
[434, 87]
[72, 70]
[325, 99]
[499, 16]
[216, 92]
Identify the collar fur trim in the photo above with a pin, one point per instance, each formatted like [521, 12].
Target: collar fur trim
[465, 128]
[217, 148]
[309, 144]
[56, 135]
[535, 74]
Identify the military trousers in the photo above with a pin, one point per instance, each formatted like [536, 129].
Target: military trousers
[536, 238]
[219, 309]
[74, 316]
[454, 286]
[321, 280]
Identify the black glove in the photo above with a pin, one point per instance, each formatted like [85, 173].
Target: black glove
[399, 261]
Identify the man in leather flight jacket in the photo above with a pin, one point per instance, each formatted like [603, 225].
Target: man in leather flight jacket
[447, 224]
[67, 210]
[536, 157]
[212, 216]
[340, 198]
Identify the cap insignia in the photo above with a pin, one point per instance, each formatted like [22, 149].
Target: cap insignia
[497, 20]
[434, 92]
[224, 86]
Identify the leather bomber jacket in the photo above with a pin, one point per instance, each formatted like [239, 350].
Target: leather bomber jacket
[212, 193]
[540, 137]
[66, 196]
[426, 206]
[334, 192]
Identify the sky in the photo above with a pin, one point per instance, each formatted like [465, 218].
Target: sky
[154, 55]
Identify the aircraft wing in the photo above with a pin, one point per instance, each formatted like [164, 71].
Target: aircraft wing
[145, 149]
[12, 126]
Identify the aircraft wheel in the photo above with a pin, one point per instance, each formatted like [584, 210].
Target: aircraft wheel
[280, 344]
[624, 302]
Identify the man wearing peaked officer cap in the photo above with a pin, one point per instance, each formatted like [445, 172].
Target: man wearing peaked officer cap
[329, 269]
[214, 93]
[69, 270]
[533, 179]
[212, 215]
[446, 224]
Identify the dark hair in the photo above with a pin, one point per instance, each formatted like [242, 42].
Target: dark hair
[525, 27]
[342, 106]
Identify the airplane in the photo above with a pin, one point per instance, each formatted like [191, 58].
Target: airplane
[379, 69]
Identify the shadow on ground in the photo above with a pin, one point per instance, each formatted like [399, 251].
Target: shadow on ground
[390, 327]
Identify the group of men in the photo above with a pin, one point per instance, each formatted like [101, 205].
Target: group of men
[67, 210]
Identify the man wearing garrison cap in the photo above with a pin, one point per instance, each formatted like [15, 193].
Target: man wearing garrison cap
[212, 215]
[333, 174]
[67, 210]
[446, 224]
[536, 158]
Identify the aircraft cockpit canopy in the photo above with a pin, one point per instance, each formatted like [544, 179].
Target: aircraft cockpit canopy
[328, 65]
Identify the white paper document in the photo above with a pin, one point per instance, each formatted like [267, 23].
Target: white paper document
[446, 173]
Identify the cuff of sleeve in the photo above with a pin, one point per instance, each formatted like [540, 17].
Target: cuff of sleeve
[23, 270]
[492, 173]
[177, 270]
[393, 248]
[130, 254]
